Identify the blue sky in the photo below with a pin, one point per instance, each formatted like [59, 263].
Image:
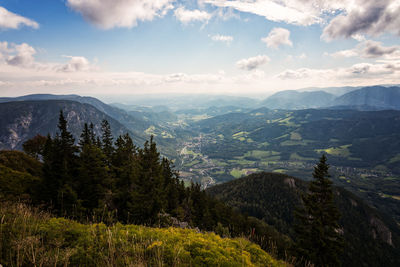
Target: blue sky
[206, 46]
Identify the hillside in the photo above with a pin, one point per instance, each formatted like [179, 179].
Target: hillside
[51, 241]
[292, 99]
[372, 239]
[365, 98]
[374, 96]
[22, 120]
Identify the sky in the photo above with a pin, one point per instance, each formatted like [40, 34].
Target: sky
[243, 47]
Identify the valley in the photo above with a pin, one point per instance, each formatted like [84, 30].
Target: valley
[214, 144]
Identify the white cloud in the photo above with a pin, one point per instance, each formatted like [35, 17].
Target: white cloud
[292, 12]
[302, 56]
[370, 49]
[365, 17]
[75, 64]
[22, 56]
[9, 20]
[108, 14]
[186, 16]
[252, 62]
[278, 37]
[340, 18]
[18, 55]
[222, 38]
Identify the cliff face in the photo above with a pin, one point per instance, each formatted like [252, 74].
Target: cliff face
[21, 121]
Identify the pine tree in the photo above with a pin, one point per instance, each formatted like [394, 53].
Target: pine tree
[107, 139]
[317, 237]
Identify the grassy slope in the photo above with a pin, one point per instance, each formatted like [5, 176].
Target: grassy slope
[32, 238]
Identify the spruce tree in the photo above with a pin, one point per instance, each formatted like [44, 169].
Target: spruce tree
[107, 139]
[317, 238]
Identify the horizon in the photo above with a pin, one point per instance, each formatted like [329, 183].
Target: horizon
[231, 47]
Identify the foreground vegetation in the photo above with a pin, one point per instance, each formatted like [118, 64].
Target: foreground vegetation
[29, 237]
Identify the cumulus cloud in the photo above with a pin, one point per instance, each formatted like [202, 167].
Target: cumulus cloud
[278, 37]
[293, 12]
[222, 38]
[370, 49]
[23, 56]
[186, 16]
[365, 16]
[9, 20]
[75, 64]
[252, 62]
[343, 18]
[108, 14]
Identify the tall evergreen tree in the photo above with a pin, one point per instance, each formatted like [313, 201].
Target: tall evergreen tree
[107, 139]
[317, 237]
[60, 170]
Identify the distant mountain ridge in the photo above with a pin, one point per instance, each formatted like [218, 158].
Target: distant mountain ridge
[122, 116]
[292, 99]
[375, 96]
[22, 120]
[366, 98]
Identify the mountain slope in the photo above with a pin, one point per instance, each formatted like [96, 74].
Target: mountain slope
[22, 120]
[131, 122]
[292, 99]
[372, 239]
[374, 96]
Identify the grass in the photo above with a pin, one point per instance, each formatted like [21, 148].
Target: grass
[237, 173]
[395, 159]
[341, 151]
[295, 136]
[295, 156]
[261, 154]
[30, 237]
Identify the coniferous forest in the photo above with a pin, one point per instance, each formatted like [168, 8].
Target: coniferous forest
[99, 180]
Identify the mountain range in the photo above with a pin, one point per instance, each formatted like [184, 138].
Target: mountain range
[366, 98]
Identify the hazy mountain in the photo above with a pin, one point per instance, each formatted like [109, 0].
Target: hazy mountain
[372, 239]
[375, 96]
[337, 91]
[292, 99]
[131, 122]
[188, 101]
[24, 119]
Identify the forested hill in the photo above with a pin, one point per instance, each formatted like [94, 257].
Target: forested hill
[371, 238]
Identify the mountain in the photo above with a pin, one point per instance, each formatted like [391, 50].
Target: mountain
[292, 99]
[374, 96]
[337, 91]
[371, 238]
[22, 120]
[185, 101]
[131, 122]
